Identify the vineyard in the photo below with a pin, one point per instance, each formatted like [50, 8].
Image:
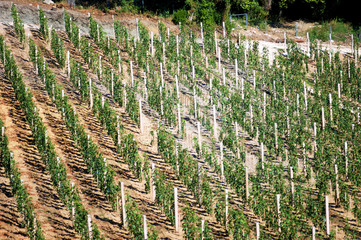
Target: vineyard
[113, 129]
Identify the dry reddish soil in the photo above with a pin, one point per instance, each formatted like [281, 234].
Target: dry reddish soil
[108, 221]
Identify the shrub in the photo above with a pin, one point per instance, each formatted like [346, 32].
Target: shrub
[180, 15]
[206, 13]
[256, 13]
[340, 31]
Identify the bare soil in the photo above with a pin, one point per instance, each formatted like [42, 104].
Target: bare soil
[50, 211]
[108, 221]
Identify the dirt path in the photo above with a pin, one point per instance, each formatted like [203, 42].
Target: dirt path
[50, 211]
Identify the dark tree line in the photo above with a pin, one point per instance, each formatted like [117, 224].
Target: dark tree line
[215, 11]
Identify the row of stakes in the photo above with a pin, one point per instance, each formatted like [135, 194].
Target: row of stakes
[140, 104]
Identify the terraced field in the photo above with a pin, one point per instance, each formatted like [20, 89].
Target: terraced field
[114, 129]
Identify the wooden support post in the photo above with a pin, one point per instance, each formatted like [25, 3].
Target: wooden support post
[202, 229]
[72, 203]
[327, 216]
[221, 160]
[100, 67]
[346, 160]
[90, 93]
[138, 35]
[131, 73]
[262, 156]
[224, 29]
[161, 75]
[195, 103]
[161, 101]
[124, 214]
[313, 233]
[288, 121]
[68, 62]
[226, 207]
[330, 100]
[199, 184]
[89, 59]
[36, 60]
[308, 45]
[254, 79]
[177, 42]
[202, 34]
[179, 119]
[298, 105]
[176, 214]
[219, 60]
[119, 63]
[305, 94]
[214, 122]
[215, 41]
[247, 189]
[140, 116]
[278, 197]
[236, 71]
[118, 130]
[224, 77]
[323, 118]
[304, 157]
[321, 65]
[177, 163]
[245, 60]
[145, 229]
[90, 227]
[164, 54]
[315, 129]
[264, 106]
[337, 187]
[257, 231]
[276, 137]
[191, 54]
[153, 182]
[242, 88]
[199, 138]
[177, 85]
[292, 183]
[151, 44]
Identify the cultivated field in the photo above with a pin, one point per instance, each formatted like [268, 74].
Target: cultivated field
[119, 128]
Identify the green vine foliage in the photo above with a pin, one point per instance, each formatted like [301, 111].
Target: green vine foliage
[18, 24]
[58, 48]
[192, 226]
[24, 204]
[72, 30]
[45, 146]
[89, 150]
[135, 221]
[165, 195]
[188, 169]
[127, 147]
[44, 28]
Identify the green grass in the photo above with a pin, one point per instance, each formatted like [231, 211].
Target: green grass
[340, 31]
